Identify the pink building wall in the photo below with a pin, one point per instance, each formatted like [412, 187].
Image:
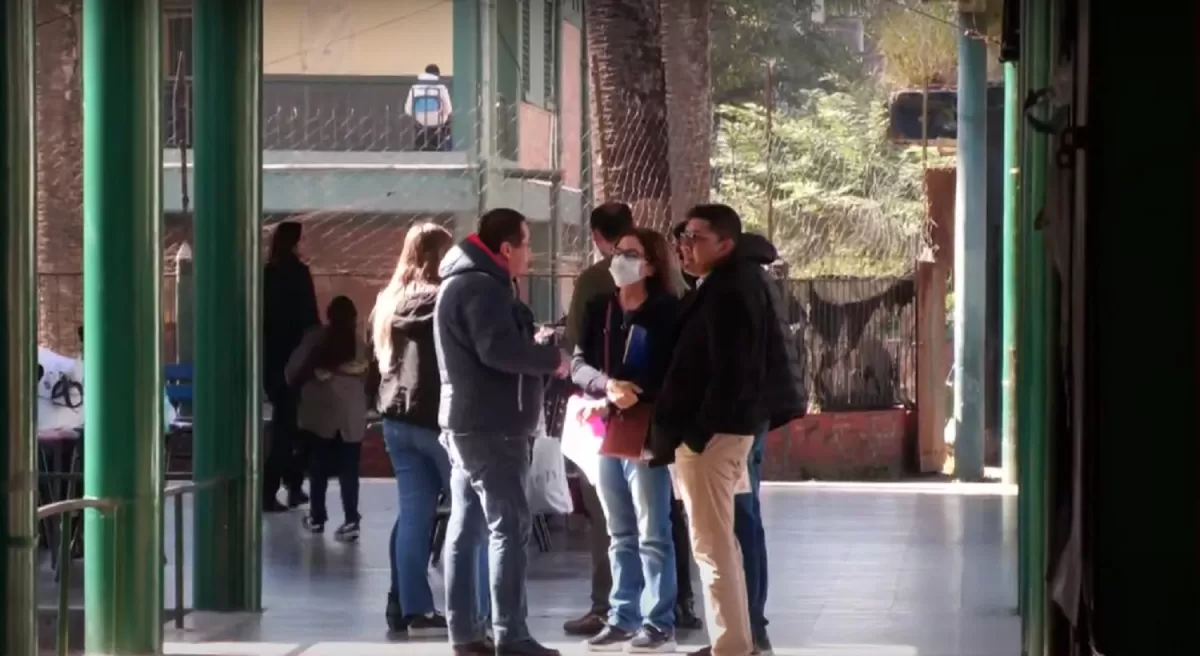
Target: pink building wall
[535, 125]
[571, 111]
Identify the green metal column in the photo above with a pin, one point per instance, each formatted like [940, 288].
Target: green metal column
[18, 298]
[122, 274]
[1032, 337]
[464, 92]
[970, 249]
[1010, 278]
[227, 42]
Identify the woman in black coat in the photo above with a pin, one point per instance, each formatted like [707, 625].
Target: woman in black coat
[289, 311]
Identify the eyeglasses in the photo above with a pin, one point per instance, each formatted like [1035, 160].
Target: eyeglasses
[689, 237]
[629, 253]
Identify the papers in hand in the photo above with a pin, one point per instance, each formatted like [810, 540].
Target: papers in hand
[583, 431]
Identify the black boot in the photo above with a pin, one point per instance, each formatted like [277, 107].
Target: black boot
[296, 497]
[685, 616]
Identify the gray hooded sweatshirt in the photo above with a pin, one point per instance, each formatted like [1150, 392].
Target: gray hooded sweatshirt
[492, 371]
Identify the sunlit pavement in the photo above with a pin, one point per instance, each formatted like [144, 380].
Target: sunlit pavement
[904, 569]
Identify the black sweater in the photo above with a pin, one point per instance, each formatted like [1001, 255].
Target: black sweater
[410, 389]
[588, 369]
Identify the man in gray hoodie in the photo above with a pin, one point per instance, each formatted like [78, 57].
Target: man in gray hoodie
[492, 380]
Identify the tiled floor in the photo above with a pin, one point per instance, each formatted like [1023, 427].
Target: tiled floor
[856, 570]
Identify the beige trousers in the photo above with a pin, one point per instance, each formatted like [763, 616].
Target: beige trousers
[707, 484]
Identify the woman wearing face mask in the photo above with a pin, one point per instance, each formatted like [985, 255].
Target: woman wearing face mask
[624, 348]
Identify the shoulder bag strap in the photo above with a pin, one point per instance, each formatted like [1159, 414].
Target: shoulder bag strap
[607, 338]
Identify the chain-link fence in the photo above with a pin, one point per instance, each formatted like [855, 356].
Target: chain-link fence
[356, 163]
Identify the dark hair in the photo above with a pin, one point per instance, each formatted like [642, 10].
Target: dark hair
[500, 226]
[723, 220]
[612, 220]
[339, 343]
[284, 240]
[678, 229]
[433, 69]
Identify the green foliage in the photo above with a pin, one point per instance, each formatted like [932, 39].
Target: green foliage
[917, 48]
[747, 34]
[846, 201]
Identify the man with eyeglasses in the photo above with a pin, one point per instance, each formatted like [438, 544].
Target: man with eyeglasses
[711, 406]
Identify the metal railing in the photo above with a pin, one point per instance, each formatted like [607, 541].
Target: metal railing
[64, 510]
[174, 490]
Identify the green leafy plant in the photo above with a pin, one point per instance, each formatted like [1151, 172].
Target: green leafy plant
[845, 201]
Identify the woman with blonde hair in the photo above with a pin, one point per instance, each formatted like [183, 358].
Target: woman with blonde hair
[409, 393]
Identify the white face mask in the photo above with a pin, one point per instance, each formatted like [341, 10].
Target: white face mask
[625, 270]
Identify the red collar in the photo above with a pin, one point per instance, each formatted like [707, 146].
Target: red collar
[496, 257]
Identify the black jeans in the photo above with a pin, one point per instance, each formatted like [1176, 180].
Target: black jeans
[598, 544]
[333, 457]
[683, 553]
[283, 465]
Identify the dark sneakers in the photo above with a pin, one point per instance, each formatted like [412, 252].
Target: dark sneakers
[483, 647]
[313, 526]
[652, 640]
[762, 643]
[432, 625]
[347, 532]
[585, 626]
[610, 639]
[527, 647]
[296, 498]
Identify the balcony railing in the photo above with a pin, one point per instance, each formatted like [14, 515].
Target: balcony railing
[347, 114]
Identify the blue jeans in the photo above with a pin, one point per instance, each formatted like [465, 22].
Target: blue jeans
[422, 469]
[637, 505]
[748, 526]
[488, 508]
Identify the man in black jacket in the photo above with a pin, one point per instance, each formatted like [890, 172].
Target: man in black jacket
[785, 400]
[710, 407]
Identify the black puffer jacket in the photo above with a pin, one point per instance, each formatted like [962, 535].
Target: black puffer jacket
[409, 386]
[785, 392]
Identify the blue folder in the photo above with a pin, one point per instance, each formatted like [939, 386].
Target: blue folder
[637, 350]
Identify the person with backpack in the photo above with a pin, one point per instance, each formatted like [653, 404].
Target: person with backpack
[428, 104]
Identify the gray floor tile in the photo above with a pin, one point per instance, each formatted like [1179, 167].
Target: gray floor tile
[884, 572]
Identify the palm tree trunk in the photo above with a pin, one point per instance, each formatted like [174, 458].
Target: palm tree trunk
[59, 175]
[629, 108]
[686, 25]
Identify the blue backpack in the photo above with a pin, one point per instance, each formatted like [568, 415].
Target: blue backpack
[425, 103]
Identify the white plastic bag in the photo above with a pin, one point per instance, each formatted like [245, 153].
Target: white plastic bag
[581, 437]
[547, 489]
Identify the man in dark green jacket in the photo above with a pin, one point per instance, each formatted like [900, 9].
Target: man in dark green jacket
[608, 222]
